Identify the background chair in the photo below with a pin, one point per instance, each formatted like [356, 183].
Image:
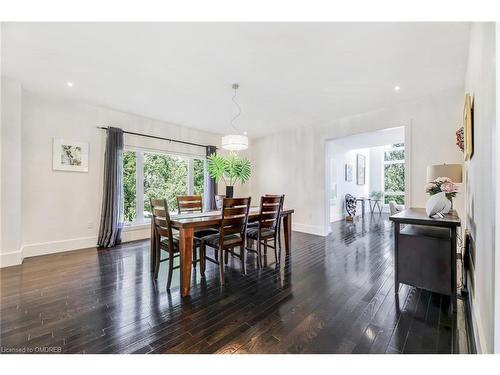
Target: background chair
[268, 226]
[350, 205]
[233, 226]
[395, 208]
[192, 204]
[189, 203]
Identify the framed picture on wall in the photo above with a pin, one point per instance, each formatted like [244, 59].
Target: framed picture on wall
[468, 127]
[70, 155]
[348, 172]
[360, 169]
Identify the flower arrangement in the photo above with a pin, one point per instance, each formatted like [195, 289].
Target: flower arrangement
[442, 184]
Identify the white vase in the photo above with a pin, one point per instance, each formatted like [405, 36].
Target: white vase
[447, 208]
[438, 203]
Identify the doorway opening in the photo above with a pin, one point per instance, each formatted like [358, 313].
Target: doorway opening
[371, 167]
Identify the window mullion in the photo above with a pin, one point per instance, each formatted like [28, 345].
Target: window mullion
[139, 197]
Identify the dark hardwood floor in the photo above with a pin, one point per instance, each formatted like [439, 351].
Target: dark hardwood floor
[333, 295]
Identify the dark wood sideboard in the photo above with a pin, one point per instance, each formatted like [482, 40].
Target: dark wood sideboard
[425, 251]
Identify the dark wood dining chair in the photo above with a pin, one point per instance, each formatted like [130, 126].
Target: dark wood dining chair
[189, 203]
[165, 239]
[256, 223]
[232, 234]
[267, 228]
[192, 204]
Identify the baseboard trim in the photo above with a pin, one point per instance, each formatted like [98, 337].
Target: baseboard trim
[12, 258]
[51, 247]
[44, 248]
[310, 229]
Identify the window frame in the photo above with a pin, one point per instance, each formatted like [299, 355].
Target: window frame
[139, 178]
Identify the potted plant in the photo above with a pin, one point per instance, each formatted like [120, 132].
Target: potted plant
[230, 169]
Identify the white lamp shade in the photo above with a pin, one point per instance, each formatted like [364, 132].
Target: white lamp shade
[452, 171]
[235, 142]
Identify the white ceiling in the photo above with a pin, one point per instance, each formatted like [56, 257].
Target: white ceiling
[290, 73]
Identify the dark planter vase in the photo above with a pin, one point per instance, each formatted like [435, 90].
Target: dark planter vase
[229, 191]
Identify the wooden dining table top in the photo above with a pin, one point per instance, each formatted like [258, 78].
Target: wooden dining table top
[212, 218]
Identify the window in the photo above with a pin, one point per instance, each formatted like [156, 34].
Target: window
[148, 174]
[165, 176]
[199, 176]
[394, 173]
[129, 186]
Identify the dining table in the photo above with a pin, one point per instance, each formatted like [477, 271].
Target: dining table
[187, 223]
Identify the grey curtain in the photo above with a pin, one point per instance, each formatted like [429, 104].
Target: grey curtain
[111, 223]
[210, 185]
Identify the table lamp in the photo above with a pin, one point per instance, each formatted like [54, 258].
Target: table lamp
[452, 171]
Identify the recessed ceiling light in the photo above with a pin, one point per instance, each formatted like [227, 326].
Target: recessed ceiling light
[69, 84]
[245, 133]
[397, 88]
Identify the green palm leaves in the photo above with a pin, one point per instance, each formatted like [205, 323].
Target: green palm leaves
[230, 168]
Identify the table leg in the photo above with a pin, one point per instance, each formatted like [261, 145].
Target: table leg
[186, 256]
[152, 245]
[287, 226]
[454, 335]
[396, 240]
[454, 268]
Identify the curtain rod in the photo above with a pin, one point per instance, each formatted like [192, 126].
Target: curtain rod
[156, 137]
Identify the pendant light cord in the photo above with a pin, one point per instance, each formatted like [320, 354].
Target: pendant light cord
[239, 110]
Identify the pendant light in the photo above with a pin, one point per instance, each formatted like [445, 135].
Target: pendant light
[236, 141]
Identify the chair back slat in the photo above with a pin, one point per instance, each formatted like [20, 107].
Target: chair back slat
[235, 211]
[189, 203]
[234, 216]
[161, 219]
[159, 212]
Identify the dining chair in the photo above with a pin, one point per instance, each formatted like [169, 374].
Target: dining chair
[192, 204]
[189, 203]
[267, 227]
[232, 234]
[395, 208]
[256, 223]
[165, 239]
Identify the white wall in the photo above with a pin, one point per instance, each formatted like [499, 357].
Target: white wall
[497, 216]
[11, 221]
[295, 159]
[61, 209]
[481, 190]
